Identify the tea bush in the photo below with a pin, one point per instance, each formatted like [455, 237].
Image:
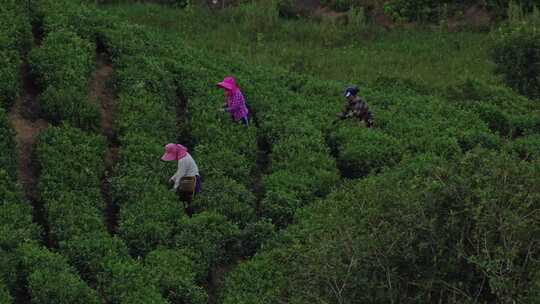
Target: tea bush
[15, 39]
[377, 237]
[517, 56]
[39, 266]
[62, 67]
[5, 297]
[176, 277]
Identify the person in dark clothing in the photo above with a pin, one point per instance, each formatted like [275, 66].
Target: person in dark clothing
[356, 107]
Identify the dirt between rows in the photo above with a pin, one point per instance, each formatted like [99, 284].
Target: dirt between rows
[102, 95]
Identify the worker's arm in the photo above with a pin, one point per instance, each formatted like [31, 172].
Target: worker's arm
[345, 113]
[180, 172]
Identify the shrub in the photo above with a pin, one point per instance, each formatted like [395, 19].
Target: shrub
[227, 197]
[64, 60]
[265, 285]
[209, 234]
[255, 235]
[497, 120]
[9, 77]
[470, 139]
[16, 227]
[174, 271]
[362, 151]
[527, 147]
[216, 161]
[517, 56]
[73, 214]
[40, 265]
[72, 160]
[5, 297]
[85, 20]
[15, 28]
[280, 202]
[404, 228]
[70, 105]
[62, 67]
[88, 252]
[148, 222]
[7, 146]
[125, 281]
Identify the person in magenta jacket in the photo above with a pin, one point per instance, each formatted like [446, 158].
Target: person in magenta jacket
[235, 103]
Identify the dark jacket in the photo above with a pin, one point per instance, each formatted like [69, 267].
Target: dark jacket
[358, 108]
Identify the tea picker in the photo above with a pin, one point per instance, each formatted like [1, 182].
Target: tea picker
[235, 103]
[355, 107]
[186, 181]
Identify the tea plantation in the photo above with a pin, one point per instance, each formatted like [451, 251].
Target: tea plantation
[439, 202]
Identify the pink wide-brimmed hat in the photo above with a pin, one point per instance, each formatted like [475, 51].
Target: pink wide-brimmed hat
[228, 83]
[174, 152]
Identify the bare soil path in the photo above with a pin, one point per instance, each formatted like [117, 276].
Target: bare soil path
[25, 119]
[101, 93]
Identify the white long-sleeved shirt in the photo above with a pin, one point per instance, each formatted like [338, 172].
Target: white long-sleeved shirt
[186, 167]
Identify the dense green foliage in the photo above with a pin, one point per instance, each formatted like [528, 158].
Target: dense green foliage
[403, 236]
[25, 266]
[428, 10]
[62, 67]
[517, 56]
[438, 203]
[15, 38]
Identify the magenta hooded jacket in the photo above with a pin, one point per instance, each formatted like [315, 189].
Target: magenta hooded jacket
[236, 104]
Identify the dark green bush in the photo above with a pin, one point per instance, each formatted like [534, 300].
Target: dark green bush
[148, 222]
[217, 161]
[85, 20]
[404, 228]
[517, 56]
[412, 10]
[88, 252]
[5, 297]
[431, 11]
[16, 221]
[341, 5]
[62, 67]
[497, 120]
[282, 200]
[255, 235]
[9, 77]
[141, 112]
[470, 139]
[227, 197]
[64, 60]
[70, 105]
[7, 146]
[211, 235]
[527, 124]
[126, 281]
[265, 285]
[71, 160]
[16, 227]
[40, 265]
[362, 151]
[15, 28]
[176, 277]
[73, 214]
[527, 147]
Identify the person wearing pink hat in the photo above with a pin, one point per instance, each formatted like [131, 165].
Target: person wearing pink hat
[234, 100]
[187, 176]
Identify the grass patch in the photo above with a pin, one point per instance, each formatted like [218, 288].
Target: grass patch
[433, 58]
